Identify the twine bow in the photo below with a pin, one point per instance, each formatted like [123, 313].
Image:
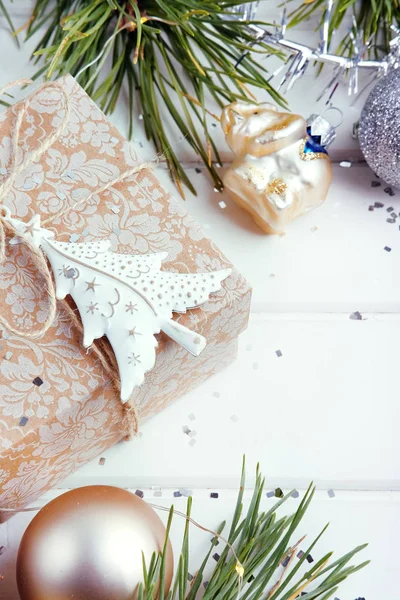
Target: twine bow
[101, 347]
[13, 171]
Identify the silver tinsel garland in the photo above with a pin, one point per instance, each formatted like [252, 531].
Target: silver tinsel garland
[379, 126]
[300, 55]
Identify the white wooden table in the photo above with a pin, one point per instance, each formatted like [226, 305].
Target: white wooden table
[327, 296]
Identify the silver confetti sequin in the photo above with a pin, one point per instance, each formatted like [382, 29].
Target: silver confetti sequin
[379, 128]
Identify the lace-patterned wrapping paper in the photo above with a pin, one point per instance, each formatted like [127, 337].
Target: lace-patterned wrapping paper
[58, 409]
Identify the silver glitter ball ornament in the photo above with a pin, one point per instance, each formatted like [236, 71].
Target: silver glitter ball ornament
[379, 128]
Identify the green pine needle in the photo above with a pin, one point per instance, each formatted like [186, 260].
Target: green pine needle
[8, 19]
[174, 57]
[262, 542]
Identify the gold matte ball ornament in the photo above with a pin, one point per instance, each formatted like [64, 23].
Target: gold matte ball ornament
[87, 544]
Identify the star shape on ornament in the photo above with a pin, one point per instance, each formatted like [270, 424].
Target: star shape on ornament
[32, 227]
[64, 270]
[36, 231]
[91, 285]
[130, 308]
[92, 307]
[33, 230]
[133, 359]
[68, 272]
[133, 332]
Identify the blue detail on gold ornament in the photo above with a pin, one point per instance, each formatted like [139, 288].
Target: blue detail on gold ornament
[311, 147]
[313, 143]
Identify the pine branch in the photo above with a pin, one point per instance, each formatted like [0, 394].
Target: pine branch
[264, 548]
[176, 55]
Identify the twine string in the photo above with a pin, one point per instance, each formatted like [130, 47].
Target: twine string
[101, 347]
[124, 175]
[48, 142]
[14, 170]
[39, 262]
[238, 566]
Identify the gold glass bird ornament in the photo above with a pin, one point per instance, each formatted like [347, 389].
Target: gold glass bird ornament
[281, 168]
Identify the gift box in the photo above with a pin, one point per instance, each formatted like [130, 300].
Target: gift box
[58, 406]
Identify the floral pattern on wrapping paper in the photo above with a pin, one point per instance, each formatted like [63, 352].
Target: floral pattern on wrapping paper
[23, 302]
[18, 269]
[5, 152]
[24, 289]
[167, 362]
[76, 427]
[99, 136]
[33, 132]
[140, 197]
[217, 357]
[78, 168]
[21, 397]
[26, 484]
[21, 489]
[231, 320]
[73, 415]
[82, 111]
[6, 442]
[18, 199]
[183, 223]
[141, 233]
[235, 286]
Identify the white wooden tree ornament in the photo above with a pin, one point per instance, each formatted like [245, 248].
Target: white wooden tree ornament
[124, 297]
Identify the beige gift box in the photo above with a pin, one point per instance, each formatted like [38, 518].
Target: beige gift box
[58, 408]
